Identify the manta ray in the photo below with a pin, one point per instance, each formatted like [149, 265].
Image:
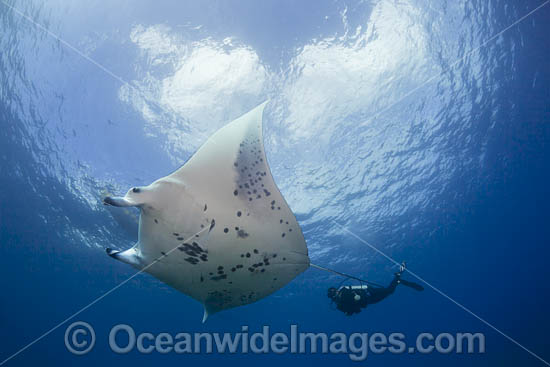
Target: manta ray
[218, 229]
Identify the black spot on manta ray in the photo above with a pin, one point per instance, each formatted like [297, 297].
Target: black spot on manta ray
[255, 251]
[283, 235]
[212, 224]
[219, 277]
[248, 254]
[136, 190]
[176, 234]
[180, 238]
[225, 230]
[239, 213]
[242, 234]
[205, 207]
[156, 221]
[236, 192]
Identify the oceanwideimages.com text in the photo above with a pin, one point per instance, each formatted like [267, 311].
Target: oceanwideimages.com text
[122, 339]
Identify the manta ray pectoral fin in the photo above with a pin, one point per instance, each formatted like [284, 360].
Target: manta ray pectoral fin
[117, 201]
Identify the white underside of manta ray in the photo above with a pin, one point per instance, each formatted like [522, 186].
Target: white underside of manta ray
[218, 229]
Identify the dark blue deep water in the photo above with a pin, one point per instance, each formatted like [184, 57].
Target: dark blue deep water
[414, 125]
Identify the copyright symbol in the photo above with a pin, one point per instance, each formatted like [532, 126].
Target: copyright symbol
[79, 338]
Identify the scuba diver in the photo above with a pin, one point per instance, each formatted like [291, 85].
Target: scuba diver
[351, 299]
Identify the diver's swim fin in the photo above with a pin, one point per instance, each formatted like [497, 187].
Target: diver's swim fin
[402, 267]
[413, 285]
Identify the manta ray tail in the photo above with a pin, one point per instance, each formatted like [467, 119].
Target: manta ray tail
[208, 311]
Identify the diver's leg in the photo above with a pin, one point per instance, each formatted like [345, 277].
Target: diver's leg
[412, 285]
[407, 283]
[378, 294]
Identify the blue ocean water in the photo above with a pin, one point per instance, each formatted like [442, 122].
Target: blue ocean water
[422, 128]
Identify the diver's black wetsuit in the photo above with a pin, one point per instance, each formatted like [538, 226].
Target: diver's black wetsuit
[351, 301]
